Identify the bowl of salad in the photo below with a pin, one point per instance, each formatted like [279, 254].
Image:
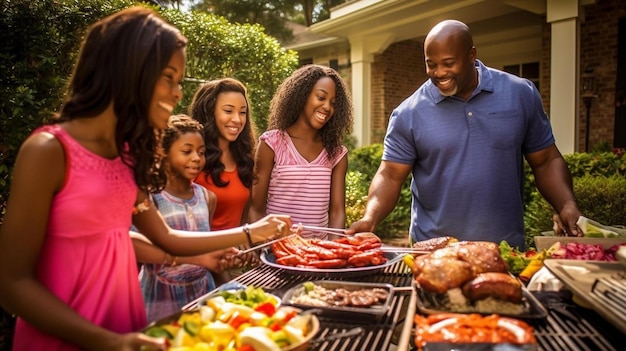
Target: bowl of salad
[237, 325]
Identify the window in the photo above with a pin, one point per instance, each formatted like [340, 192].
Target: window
[529, 71]
[334, 64]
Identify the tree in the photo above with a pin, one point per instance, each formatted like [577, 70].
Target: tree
[272, 15]
[40, 41]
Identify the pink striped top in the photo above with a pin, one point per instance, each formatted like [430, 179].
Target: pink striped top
[297, 187]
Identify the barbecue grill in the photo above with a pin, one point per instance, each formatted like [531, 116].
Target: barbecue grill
[394, 330]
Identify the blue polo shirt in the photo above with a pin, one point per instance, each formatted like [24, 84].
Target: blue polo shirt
[467, 156]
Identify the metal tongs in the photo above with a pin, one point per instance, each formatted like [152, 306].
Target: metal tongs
[342, 232]
[399, 249]
[335, 231]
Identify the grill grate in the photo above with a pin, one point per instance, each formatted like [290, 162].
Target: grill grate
[588, 331]
[379, 333]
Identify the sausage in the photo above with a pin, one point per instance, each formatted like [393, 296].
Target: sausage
[502, 286]
[334, 263]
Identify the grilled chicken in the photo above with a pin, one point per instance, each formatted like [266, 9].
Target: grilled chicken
[455, 265]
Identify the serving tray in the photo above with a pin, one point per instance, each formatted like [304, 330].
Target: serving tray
[378, 309]
[431, 303]
[268, 258]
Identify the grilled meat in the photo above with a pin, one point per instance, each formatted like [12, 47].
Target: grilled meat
[483, 256]
[502, 286]
[462, 262]
[434, 243]
[441, 274]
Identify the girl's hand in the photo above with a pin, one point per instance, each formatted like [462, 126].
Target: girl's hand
[270, 227]
[213, 260]
[236, 260]
[139, 342]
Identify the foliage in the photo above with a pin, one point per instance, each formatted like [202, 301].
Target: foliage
[605, 163]
[40, 41]
[363, 163]
[356, 196]
[366, 159]
[217, 49]
[272, 15]
[599, 197]
[269, 14]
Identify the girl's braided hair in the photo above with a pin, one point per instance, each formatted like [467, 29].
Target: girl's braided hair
[178, 125]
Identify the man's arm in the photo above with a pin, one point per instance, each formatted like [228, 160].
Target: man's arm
[383, 195]
[554, 182]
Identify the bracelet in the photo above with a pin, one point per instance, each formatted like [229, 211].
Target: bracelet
[166, 260]
[246, 229]
[142, 206]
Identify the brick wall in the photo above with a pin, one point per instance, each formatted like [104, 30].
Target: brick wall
[598, 37]
[396, 74]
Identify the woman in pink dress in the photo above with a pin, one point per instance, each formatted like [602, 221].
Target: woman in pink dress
[67, 265]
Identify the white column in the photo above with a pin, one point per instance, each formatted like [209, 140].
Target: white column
[361, 62]
[362, 51]
[564, 72]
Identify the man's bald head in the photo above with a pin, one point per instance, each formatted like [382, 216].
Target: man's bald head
[451, 29]
[450, 59]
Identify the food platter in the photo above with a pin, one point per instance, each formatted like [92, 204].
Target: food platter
[268, 258]
[430, 303]
[376, 310]
[178, 332]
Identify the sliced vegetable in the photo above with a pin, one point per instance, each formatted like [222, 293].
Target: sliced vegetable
[159, 332]
[308, 286]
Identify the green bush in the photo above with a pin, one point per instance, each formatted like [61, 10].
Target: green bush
[363, 163]
[218, 48]
[599, 197]
[40, 41]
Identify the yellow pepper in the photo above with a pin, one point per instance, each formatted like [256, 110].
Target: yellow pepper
[535, 264]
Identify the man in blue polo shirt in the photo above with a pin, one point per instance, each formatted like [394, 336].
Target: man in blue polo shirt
[463, 135]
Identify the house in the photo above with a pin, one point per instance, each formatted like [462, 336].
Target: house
[574, 51]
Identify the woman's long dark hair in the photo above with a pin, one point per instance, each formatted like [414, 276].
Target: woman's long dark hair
[202, 109]
[291, 97]
[120, 61]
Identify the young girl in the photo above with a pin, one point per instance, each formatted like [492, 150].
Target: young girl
[67, 265]
[300, 163]
[169, 283]
[222, 107]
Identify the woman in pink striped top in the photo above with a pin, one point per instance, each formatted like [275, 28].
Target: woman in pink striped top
[300, 162]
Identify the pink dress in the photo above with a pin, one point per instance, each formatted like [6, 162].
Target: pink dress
[87, 259]
[297, 187]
